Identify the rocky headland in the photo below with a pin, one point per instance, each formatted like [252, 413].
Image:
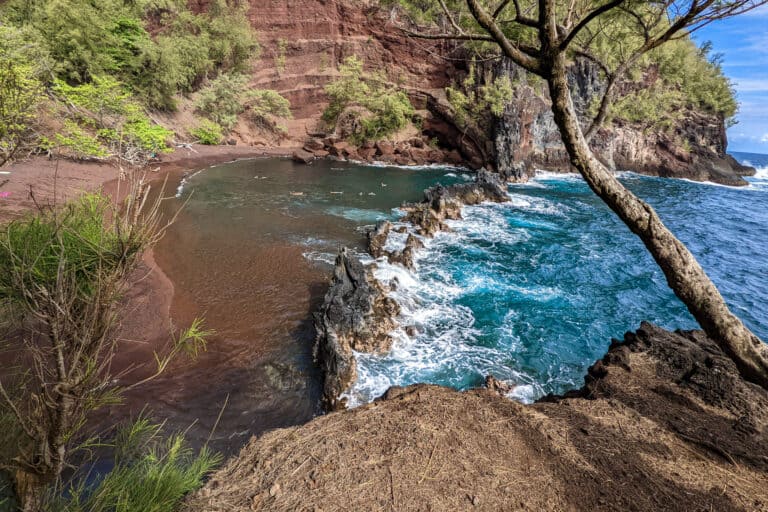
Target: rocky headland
[357, 315]
[663, 422]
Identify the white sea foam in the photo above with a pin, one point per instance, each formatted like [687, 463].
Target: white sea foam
[184, 181]
[542, 175]
[319, 256]
[357, 214]
[413, 167]
[446, 346]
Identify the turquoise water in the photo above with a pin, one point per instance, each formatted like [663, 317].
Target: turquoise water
[532, 291]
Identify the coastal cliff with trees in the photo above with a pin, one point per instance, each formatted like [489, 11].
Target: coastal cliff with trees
[139, 79]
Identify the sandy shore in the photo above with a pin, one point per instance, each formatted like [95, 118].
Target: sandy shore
[45, 181]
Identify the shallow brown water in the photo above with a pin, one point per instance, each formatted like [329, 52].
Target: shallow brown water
[250, 253]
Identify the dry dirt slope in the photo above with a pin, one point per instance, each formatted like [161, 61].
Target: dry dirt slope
[663, 423]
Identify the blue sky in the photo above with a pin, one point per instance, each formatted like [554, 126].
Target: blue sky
[743, 41]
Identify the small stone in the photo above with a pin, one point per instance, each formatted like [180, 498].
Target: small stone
[274, 491]
[304, 157]
[314, 144]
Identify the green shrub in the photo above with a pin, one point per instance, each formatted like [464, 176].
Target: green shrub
[79, 144]
[208, 133]
[228, 96]
[109, 37]
[348, 89]
[140, 132]
[150, 475]
[20, 94]
[282, 48]
[120, 122]
[222, 99]
[76, 236]
[266, 104]
[390, 108]
[472, 104]
[24, 46]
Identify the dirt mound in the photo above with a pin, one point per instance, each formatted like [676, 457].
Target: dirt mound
[663, 423]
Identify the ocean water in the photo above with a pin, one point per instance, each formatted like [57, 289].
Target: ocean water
[532, 291]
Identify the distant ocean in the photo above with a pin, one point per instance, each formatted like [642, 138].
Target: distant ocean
[532, 291]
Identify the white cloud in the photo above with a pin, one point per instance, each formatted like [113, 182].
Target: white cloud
[751, 84]
[764, 138]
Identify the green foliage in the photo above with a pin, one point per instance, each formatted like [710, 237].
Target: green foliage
[20, 94]
[87, 39]
[390, 108]
[282, 48]
[228, 96]
[194, 339]
[471, 103]
[688, 79]
[698, 77]
[78, 143]
[23, 46]
[349, 88]
[222, 99]
[150, 475]
[76, 237]
[265, 104]
[208, 133]
[121, 123]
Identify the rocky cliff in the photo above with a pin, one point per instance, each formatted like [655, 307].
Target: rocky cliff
[693, 148]
[304, 41]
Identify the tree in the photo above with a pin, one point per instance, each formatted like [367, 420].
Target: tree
[20, 94]
[542, 36]
[64, 271]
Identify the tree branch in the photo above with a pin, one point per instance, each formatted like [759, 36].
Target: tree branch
[514, 52]
[450, 17]
[587, 20]
[456, 37]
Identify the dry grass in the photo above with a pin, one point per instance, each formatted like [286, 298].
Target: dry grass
[652, 438]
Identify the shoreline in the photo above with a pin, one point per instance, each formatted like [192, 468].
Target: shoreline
[57, 180]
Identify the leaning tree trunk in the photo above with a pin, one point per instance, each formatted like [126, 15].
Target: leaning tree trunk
[684, 274]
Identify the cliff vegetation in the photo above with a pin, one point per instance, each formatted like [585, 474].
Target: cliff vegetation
[83, 79]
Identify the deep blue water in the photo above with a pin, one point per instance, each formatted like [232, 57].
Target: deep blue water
[532, 291]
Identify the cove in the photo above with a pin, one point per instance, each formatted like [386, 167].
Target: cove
[251, 251]
[531, 291]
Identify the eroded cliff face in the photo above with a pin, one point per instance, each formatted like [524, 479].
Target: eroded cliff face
[304, 41]
[693, 148]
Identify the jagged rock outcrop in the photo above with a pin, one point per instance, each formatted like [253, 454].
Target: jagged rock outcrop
[444, 203]
[356, 314]
[664, 422]
[377, 239]
[693, 148]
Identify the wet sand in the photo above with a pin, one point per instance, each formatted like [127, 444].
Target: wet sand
[56, 181]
